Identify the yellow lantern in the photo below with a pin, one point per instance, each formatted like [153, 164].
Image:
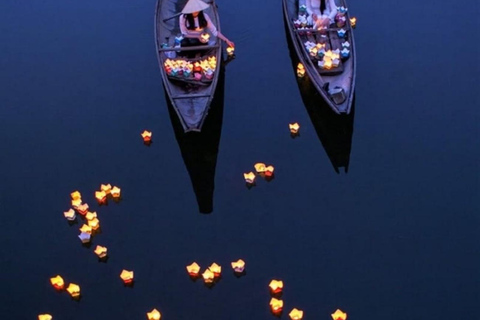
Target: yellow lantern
[294, 127]
[300, 70]
[147, 136]
[76, 203]
[85, 237]
[82, 209]
[126, 276]
[86, 229]
[94, 224]
[106, 188]
[70, 215]
[238, 266]
[249, 177]
[45, 316]
[101, 197]
[276, 286]
[208, 276]
[76, 195]
[230, 51]
[339, 315]
[115, 192]
[193, 269]
[216, 269]
[90, 215]
[276, 305]
[73, 290]
[154, 315]
[260, 167]
[353, 22]
[269, 171]
[57, 282]
[101, 252]
[296, 314]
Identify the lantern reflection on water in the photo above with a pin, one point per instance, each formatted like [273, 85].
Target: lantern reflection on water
[127, 276]
[238, 266]
[154, 315]
[101, 252]
[276, 305]
[193, 269]
[296, 314]
[339, 315]
[45, 316]
[57, 282]
[276, 286]
[74, 290]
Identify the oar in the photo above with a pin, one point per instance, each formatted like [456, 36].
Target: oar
[179, 14]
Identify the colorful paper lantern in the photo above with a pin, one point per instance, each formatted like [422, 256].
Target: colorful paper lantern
[147, 136]
[260, 167]
[341, 33]
[296, 314]
[85, 237]
[269, 171]
[154, 315]
[230, 51]
[91, 215]
[70, 215]
[249, 177]
[208, 276]
[74, 290]
[76, 195]
[106, 188]
[276, 286]
[101, 197]
[300, 70]
[115, 192]
[76, 203]
[94, 224]
[216, 269]
[101, 252]
[339, 315]
[193, 269]
[82, 209]
[57, 282]
[204, 37]
[294, 127]
[86, 229]
[276, 305]
[353, 22]
[126, 276]
[45, 316]
[238, 266]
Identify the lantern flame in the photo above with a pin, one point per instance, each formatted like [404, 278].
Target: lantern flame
[296, 314]
[339, 315]
[57, 282]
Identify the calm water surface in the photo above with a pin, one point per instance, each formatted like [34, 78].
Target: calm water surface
[396, 237]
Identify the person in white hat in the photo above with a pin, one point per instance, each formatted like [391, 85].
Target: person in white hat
[193, 23]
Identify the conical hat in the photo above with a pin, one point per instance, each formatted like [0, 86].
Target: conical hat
[194, 6]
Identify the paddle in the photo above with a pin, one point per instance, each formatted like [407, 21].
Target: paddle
[179, 14]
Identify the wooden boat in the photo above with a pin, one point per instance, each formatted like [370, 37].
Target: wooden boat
[190, 98]
[336, 84]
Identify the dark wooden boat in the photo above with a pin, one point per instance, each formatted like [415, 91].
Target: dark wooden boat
[190, 98]
[336, 85]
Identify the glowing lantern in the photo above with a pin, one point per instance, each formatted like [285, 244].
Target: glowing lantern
[193, 269]
[260, 167]
[86, 229]
[294, 127]
[238, 266]
[249, 177]
[313, 52]
[276, 286]
[204, 37]
[106, 188]
[85, 237]
[147, 136]
[126, 276]
[353, 22]
[94, 224]
[101, 197]
[216, 269]
[73, 290]
[83, 209]
[76, 195]
[91, 215]
[230, 51]
[76, 203]
[296, 314]
[115, 192]
[45, 317]
[335, 63]
[276, 306]
[341, 33]
[300, 70]
[269, 171]
[208, 276]
[57, 282]
[339, 315]
[101, 252]
[154, 315]
[70, 215]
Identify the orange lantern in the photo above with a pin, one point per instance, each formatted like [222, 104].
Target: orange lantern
[70, 215]
[90, 215]
[101, 197]
[276, 306]
[296, 314]
[276, 286]
[147, 136]
[208, 276]
[57, 282]
[115, 192]
[269, 171]
[193, 269]
[106, 188]
[76, 203]
[76, 195]
[230, 51]
[238, 266]
[73, 290]
[353, 22]
[94, 224]
[216, 269]
[82, 209]
[85, 237]
[126, 276]
[339, 315]
[86, 229]
[101, 252]
[154, 315]
[260, 167]
[249, 177]
[45, 316]
[294, 127]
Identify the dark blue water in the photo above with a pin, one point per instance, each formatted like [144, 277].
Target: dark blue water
[396, 237]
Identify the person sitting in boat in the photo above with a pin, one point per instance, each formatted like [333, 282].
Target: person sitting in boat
[193, 23]
[321, 13]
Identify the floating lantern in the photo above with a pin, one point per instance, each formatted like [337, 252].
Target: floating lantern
[101, 197]
[276, 305]
[321, 53]
[101, 252]
[327, 63]
[193, 269]
[73, 290]
[154, 315]
[57, 282]
[296, 314]
[85, 237]
[335, 63]
[86, 229]
[216, 269]
[208, 276]
[249, 177]
[353, 22]
[90, 215]
[147, 136]
[115, 192]
[106, 188]
[83, 209]
[70, 215]
[300, 70]
[339, 315]
[230, 51]
[126, 276]
[204, 37]
[342, 10]
[238, 266]
[346, 44]
[345, 53]
[294, 127]
[94, 224]
[321, 64]
[269, 171]
[276, 286]
[260, 167]
[341, 33]
[76, 195]
[313, 52]
[76, 203]
[197, 76]
[45, 316]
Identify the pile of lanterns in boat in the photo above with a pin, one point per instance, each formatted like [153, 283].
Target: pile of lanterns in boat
[327, 59]
[340, 19]
[194, 70]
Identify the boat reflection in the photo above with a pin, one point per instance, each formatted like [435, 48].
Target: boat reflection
[334, 131]
[200, 149]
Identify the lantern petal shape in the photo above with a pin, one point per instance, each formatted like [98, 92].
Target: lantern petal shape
[339, 315]
[296, 314]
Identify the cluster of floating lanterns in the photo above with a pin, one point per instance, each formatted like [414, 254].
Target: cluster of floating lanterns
[262, 170]
[194, 70]
[214, 271]
[59, 284]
